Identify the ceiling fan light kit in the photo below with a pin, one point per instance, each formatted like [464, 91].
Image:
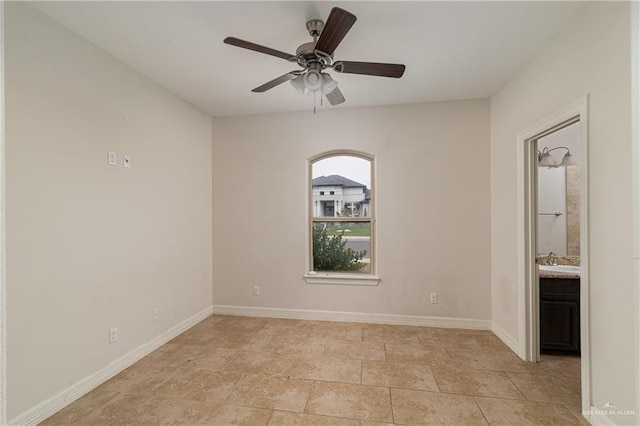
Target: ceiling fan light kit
[316, 56]
[328, 84]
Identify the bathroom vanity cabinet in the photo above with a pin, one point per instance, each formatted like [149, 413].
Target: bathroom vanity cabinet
[560, 314]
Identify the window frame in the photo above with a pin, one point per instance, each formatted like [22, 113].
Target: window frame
[335, 277]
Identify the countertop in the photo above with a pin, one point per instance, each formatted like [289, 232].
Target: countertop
[562, 275]
[560, 260]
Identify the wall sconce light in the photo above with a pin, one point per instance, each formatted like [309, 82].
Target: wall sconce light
[546, 160]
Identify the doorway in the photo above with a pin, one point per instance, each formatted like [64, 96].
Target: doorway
[530, 150]
[558, 240]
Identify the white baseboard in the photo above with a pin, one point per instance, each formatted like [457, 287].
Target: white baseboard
[305, 314]
[506, 338]
[55, 403]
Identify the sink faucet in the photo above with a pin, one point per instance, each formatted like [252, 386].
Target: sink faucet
[551, 259]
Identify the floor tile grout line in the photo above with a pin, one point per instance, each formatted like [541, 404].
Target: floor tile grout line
[580, 417]
[393, 416]
[484, 416]
[306, 404]
[435, 379]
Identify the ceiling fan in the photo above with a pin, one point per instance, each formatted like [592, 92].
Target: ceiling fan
[316, 56]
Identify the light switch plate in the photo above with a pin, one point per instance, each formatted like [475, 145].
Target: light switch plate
[126, 161]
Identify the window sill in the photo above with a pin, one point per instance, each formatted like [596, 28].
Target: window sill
[332, 278]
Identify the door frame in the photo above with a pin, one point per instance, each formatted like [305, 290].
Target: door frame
[528, 301]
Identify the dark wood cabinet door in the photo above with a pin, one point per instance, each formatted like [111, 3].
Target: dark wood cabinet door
[559, 325]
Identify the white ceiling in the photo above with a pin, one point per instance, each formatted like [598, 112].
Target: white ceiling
[452, 50]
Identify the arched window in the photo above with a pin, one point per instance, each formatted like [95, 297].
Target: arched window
[341, 218]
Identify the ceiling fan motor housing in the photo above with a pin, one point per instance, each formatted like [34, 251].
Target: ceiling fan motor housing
[307, 56]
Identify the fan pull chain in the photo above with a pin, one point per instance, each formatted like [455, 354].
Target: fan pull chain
[314, 101]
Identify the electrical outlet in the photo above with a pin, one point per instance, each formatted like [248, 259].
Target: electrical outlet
[113, 335]
[256, 290]
[156, 314]
[111, 158]
[434, 297]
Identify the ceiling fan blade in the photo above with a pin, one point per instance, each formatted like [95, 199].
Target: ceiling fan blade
[257, 48]
[335, 97]
[276, 81]
[338, 25]
[370, 68]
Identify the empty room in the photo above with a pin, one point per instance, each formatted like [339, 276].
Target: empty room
[324, 213]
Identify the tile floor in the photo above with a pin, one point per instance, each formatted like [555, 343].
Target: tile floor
[263, 371]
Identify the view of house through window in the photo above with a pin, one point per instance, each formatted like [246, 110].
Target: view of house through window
[341, 214]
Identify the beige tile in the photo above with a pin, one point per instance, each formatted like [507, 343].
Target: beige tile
[449, 341]
[398, 375]
[196, 336]
[289, 336]
[352, 349]
[554, 389]
[262, 363]
[450, 337]
[388, 334]
[241, 324]
[272, 392]
[212, 320]
[210, 357]
[162, 355]
[491, 342]
[283, 418]
[556, 365]
[81, 410]
[235, 415]
[486, 360]
[214, 358]
[514, 412]
[178, 412]
[338, 330]
[242, 341]
[123, 409]
[142, 378]
[420, 407]
[327, 369]
[462, 339]
[191, 379]
[415, 353]
[350, 401]
[199, 385]
[476, 382]
[136, 409]
[177, 355]
[295, 343]
[279, 326]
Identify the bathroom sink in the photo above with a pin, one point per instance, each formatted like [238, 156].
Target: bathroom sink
[563, 269]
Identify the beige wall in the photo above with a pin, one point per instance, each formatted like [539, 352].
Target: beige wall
[591, 56]
[92, 246]
[432, 209]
